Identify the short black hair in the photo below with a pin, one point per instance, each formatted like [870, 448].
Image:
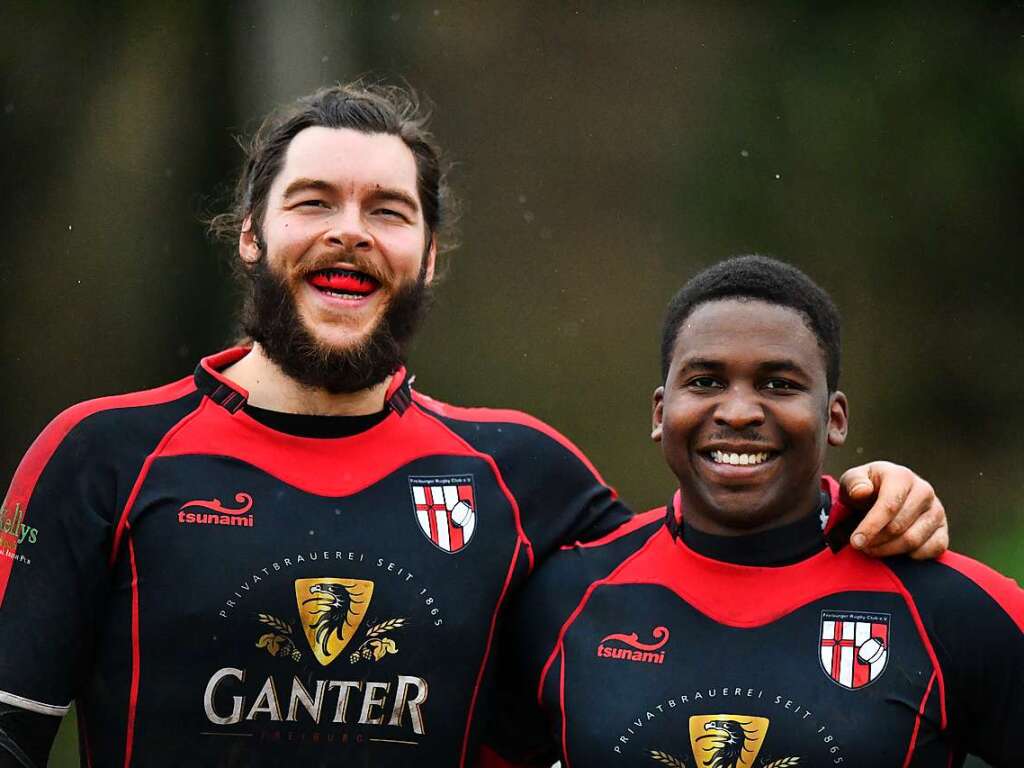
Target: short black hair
[764, 279]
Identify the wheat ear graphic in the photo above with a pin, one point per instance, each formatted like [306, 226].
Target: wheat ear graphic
[276, 623]
[666, 759]
[384, 626]
[783, 762]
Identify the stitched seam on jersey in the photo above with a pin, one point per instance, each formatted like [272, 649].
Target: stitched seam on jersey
[637, 522]
[917, 721]
[561, 705]
[528, 421]
[911, 604]
[32, 705]
[487, 651]
[578, 609]
[497, 475]
[122, 522]
[133, 694]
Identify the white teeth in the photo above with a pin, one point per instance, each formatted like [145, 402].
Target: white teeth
[738, 459]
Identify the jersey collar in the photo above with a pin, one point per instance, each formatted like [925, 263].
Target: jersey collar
[229, 395]
[775, 547]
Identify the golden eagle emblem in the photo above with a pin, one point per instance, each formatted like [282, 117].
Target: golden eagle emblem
[727, 741]
[331, 611]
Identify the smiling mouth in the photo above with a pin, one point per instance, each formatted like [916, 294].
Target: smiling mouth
[739, 459]
[343, 283]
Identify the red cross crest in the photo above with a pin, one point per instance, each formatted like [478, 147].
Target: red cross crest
[853, 646]
[445, 510]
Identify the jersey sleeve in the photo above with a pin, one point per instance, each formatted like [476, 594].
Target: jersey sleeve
[974, 618]
[54, 545]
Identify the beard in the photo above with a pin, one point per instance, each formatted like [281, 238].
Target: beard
[271, 317]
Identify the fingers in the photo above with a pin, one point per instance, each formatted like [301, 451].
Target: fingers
[856, 484]
[892, 487]
[915, 504]
[926, 538]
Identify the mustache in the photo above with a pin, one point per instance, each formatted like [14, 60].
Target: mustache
[739, 435]
[355, 260]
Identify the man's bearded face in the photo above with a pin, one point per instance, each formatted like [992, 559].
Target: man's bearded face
[339, 267]
[272, 319]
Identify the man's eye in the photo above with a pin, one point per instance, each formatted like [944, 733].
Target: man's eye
[779, 384]
[311, 204]
[390, 213]
[703, 382]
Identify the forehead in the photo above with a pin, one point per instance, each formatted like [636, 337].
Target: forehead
[346, 158]
[733, 331]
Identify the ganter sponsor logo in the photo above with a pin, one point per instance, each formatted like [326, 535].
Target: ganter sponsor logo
[292, 702]
[216, 513]
[648, 653]
[398, 703]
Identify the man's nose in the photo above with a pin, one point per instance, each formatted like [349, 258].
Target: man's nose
[348, 230]
[738, 408]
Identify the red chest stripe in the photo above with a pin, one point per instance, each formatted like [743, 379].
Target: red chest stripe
[779, 591]
[313, 464]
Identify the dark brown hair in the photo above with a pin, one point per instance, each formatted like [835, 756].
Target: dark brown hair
[369, 108]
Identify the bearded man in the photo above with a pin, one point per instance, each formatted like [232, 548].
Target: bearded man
[290, 557]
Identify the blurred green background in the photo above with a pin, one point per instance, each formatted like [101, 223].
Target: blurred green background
[605, 152]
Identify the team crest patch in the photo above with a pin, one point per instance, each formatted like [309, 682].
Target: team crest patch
[445, 509]
[853, 647]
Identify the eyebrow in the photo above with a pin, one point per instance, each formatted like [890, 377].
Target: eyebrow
[384, 194]
[709, 364]
[304, 184]
[380, 194]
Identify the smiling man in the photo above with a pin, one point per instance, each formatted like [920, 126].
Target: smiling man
[733, 628]
[289, 556]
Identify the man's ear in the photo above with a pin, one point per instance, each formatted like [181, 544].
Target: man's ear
[249, 246]
[657, 413]
[838, 418]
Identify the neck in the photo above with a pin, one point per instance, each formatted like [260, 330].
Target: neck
[270, 388]
[743, 522]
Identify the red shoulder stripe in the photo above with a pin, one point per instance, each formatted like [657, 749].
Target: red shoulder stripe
[41, 451]
[133, 698]
[503, 416]
[1004, 590]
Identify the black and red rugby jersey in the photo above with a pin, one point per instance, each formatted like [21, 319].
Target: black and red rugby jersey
[213, 591]
[660, 645]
